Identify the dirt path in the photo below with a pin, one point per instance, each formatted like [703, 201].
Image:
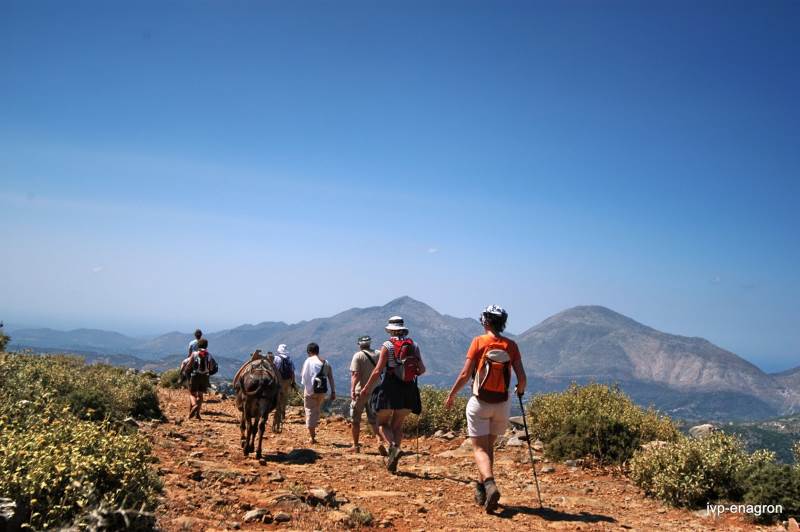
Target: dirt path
[209, 485]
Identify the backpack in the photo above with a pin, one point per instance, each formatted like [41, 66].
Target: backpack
[284, 366]
[492, 376]
[204, 363]
[408, 362]
[321, 380]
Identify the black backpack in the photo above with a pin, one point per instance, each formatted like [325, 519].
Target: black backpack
[321, 380]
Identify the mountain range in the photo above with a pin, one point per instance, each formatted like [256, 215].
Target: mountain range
[687, 377]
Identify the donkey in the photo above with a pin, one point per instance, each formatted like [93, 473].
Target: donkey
[256, 397]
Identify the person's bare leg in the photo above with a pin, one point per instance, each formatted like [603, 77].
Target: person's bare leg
[483, 459]
[397, 426]
[199, 405]
[384, 420]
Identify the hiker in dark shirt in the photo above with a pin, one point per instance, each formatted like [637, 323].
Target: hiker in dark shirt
[197, 367]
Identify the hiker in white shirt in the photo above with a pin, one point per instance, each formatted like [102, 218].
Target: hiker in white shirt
[317, 380]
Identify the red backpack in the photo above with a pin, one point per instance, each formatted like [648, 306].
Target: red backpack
[408, 361]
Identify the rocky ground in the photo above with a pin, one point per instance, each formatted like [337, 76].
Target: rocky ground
[210, 485]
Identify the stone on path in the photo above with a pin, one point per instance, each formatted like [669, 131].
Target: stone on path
[259, 514]
[701, 431]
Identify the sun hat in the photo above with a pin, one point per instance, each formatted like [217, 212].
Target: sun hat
[396, 325]
[364, 339]
[282, 350]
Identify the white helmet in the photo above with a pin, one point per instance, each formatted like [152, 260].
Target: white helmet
[495, 316]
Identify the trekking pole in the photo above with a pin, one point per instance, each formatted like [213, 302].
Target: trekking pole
[530, 449]
[417, 438]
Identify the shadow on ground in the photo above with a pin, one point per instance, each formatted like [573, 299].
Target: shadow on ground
[295, 456]
[548, 514]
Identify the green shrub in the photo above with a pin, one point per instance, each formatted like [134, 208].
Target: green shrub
[434, 415]
[595, 421]
[171, 379]
[796, 453]
[90, 391]
[57, 466]
[766, 483]
[4, 339]
[694, 471]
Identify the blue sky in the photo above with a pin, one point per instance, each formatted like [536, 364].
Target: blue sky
[166, 165]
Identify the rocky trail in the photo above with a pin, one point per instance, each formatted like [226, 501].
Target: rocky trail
[210, 485]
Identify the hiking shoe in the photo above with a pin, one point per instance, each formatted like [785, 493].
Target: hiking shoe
[382, 450]
[492, 495]
[394, 457]
[480, 494]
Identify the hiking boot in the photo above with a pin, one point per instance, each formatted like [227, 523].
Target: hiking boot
[480, 494]
[382, 450]
[492, 495]
[394, 457]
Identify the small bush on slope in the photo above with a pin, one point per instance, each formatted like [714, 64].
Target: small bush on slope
[694, 471]
[55, 461]
[171, 379]
[767, 483]
[90, 391]
[596, 421]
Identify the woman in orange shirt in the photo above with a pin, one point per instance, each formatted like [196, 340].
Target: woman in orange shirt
[490, 359]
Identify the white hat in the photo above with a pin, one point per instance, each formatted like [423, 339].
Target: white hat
[282, 350]
[396, 325]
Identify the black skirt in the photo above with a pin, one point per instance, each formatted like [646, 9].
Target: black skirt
[394, 394]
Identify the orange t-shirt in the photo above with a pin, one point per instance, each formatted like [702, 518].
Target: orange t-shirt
[483, 343]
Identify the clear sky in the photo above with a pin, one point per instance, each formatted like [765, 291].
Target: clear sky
[172, 164]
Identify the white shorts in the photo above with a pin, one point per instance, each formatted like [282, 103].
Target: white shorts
[486, 418]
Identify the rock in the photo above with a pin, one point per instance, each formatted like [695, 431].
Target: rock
[319, 496]
[538, 446]
[10, 518]
[449, 435]
[282, 517]
[514, 441]
[339, 518]
[196, 454]
[129, 421]
[571, 463]
[276, 477]
[701, 431]
[438, 434]
[654, 444]
[259, 514]
[548, 469]
[792, 526]
[196, 475]
[235, 525]
[176, 435]
[516, 421]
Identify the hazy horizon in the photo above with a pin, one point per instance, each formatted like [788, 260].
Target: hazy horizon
[164, 166]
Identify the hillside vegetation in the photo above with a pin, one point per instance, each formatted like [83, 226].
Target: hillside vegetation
[69, 453]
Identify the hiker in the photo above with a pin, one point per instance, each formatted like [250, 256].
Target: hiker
[361, 366]
[317, 379]
[193, 344]
[398, 394]
[198, 367]
[285, 369]
[490, 358]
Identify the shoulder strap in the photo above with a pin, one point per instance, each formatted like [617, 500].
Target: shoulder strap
[369, 357]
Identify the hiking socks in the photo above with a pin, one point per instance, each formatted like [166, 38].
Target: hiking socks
[492, 495]
[480, 493]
